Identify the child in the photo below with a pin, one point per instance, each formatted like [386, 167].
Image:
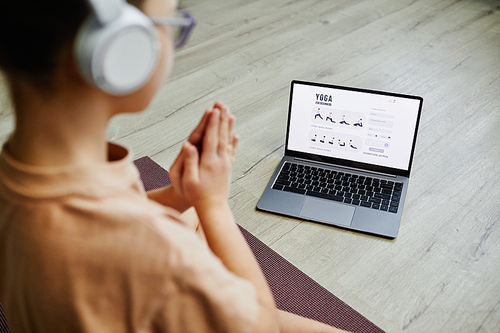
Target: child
[82, 247]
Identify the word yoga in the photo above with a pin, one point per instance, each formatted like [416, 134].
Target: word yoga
[324, 99]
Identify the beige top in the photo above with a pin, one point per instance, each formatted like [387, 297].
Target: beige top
[85, 250]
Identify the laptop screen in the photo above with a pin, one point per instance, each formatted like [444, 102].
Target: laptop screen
[359, 127]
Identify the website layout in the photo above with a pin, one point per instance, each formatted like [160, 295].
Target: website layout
[358, 126]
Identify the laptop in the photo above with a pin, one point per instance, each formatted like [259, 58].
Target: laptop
[348, 157]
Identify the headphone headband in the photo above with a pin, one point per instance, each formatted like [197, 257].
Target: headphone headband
[107, 11]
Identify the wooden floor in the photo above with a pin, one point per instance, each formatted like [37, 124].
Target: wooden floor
[442, 273]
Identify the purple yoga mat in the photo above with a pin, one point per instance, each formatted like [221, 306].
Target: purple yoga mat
[293, 290]
[3, 322]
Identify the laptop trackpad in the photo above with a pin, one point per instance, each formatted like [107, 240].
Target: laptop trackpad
[327, 211]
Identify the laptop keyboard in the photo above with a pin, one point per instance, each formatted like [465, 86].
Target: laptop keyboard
[338, 186]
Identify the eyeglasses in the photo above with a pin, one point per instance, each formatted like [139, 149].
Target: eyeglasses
[183, 24]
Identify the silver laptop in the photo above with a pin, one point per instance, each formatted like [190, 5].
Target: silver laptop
[348, 155]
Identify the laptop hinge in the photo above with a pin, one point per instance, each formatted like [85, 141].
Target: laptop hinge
[346, 168]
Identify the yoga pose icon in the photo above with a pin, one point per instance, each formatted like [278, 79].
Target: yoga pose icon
[350, 144]
[314, 139]
[330, 118]
[331, 141]
[343, 120]
[323, 140]
[341, 144]
[318, 114]
[359, 122]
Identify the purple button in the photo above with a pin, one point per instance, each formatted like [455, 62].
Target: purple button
[376, 150]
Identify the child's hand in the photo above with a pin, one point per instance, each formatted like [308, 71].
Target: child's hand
[196, 137]
[203, 175]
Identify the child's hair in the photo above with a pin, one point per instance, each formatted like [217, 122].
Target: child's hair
[33, 33]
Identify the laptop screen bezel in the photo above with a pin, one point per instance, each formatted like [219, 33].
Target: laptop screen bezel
[344, 162]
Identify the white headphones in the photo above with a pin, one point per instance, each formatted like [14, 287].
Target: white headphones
[117, 48]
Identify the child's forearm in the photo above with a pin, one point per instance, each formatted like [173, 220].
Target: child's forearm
[226, 241]
[167, 196]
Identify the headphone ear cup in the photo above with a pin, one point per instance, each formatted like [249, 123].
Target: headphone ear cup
[121, 56]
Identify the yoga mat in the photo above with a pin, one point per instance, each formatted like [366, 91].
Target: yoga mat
[292, 289]
[3, 322]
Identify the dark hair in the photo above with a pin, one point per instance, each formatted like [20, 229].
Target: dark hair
[33, 33]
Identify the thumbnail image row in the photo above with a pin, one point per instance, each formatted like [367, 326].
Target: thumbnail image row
[329, 116]
[335, 141]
